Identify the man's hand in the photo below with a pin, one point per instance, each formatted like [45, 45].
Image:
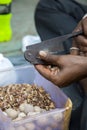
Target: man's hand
[81, 40]
[69, 68]
[81, 43]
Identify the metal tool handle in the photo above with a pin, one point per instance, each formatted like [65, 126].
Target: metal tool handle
[31, 54]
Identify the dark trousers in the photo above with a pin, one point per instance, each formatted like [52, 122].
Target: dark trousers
[57, 17]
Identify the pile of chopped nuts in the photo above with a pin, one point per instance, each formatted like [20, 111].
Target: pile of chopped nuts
[23, 99]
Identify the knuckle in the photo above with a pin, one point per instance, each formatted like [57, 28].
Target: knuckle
[83, 49]
[84, 42]
[48, 57]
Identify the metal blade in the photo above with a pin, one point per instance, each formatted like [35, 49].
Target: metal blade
[53, 46]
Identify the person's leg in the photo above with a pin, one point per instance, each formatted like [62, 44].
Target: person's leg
[55, 18]
[50, 25]
[83, 123]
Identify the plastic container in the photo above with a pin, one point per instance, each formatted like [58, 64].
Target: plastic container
[5, 20]
[5, 63]
[57, 119]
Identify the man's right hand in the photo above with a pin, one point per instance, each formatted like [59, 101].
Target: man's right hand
[81, 40]
[70, 68]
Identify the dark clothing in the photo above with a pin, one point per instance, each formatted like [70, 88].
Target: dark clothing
[58, 17]
[83, 123]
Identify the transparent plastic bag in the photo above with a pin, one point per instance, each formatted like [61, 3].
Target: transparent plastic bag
[7, 72]
[29, 40]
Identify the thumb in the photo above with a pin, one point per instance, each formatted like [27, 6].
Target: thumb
[52, 59]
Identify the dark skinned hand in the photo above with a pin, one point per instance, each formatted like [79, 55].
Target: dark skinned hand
[81, 40]
[81, 43]
[70, 68]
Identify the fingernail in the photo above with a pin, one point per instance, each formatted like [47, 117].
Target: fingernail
[43, 53]
[85, 16]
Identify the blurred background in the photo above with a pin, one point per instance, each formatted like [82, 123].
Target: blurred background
[22, 24]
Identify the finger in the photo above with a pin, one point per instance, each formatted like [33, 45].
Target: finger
[74, 43]
[43, 70]
[84, 25]
[78, 27]
[82, 53]
[62, 80]
[84, 16]
[74, 50]
[83, 49]
[86, 54]
[81, 40]
[47, 73]
[52, 59]
[56, 77]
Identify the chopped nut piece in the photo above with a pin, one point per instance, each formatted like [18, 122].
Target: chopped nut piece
[24, 98]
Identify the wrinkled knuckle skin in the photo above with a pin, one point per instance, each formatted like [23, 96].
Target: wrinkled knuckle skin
[84, 42]
[81, 48]
[85, 49]
[47, 57]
